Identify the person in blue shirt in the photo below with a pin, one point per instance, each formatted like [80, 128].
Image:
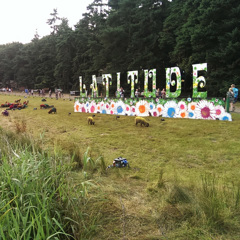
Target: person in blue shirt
[235, 93]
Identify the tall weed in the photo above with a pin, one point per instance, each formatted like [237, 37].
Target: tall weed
[29, 196]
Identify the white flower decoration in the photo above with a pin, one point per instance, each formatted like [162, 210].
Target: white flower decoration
[119, 108]
[182, 106]
[142, 108]
[170, 109]
[205, 110]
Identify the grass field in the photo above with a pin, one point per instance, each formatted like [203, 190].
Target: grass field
[183, 181]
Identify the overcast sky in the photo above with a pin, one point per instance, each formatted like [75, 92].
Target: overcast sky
[19, 19]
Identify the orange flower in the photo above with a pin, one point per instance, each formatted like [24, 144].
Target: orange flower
[142, 109]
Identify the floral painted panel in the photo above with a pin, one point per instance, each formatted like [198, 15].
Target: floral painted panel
[212, 109]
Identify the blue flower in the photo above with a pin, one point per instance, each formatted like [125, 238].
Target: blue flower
[119, 109]
[171, 112]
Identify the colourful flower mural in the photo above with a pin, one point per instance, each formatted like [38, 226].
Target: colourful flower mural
[186, 108]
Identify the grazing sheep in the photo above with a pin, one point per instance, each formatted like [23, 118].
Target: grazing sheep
[5, 113]
[52, 110]
[142, 121]
[91, 121]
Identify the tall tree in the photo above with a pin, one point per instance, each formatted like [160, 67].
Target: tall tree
[64, 57]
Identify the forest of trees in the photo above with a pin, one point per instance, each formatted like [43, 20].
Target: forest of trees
[131, 35]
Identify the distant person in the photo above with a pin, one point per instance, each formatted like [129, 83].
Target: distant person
[50, 92]
[158, 93]
[122, 92]
[163, 93]
[230, 96]
[235, 93]
[136, 93]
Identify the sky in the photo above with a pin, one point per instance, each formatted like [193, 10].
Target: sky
[20, 19]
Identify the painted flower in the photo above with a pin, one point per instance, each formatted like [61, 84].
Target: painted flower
[112, 105]
[128, 110]
[205, 110]
[189, 99]
[102, 103]
[133, 110]
[157, 100]
[226, 117]
[87, 105]
[77, 106]
[104, 110]
[84, 109]
[191, 115]
[219, 111]
[183, 114]
[170, 109]
[142, 108]
[92, 107]
[107, 106]
[192, 106]
[119, 108]
[151, 106]
[182, 106]
[160, 109]
[98, 107]
[154, 113]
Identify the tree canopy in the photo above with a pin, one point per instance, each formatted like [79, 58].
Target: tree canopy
[128, 35]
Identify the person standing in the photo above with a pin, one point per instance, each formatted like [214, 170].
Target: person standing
[163, 93]
[136, 93]
[235, 94]
[122, 92]
[230, 96]
[158, 93]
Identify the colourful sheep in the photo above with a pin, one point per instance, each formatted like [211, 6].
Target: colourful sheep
[142, 121]
[52, 110]
[90, 120]
[5, 113]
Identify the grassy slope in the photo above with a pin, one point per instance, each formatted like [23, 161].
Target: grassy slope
[138, 198]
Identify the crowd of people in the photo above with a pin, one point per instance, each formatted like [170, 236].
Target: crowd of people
[232, 95]
[159, 93]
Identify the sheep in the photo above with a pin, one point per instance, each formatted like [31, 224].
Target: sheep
[5, 113]
[142, 121]
[90, 120]
[52, 110]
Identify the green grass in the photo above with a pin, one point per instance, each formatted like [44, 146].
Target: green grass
[183, 182]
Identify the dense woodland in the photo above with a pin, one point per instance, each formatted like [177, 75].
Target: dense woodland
[126, 35]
